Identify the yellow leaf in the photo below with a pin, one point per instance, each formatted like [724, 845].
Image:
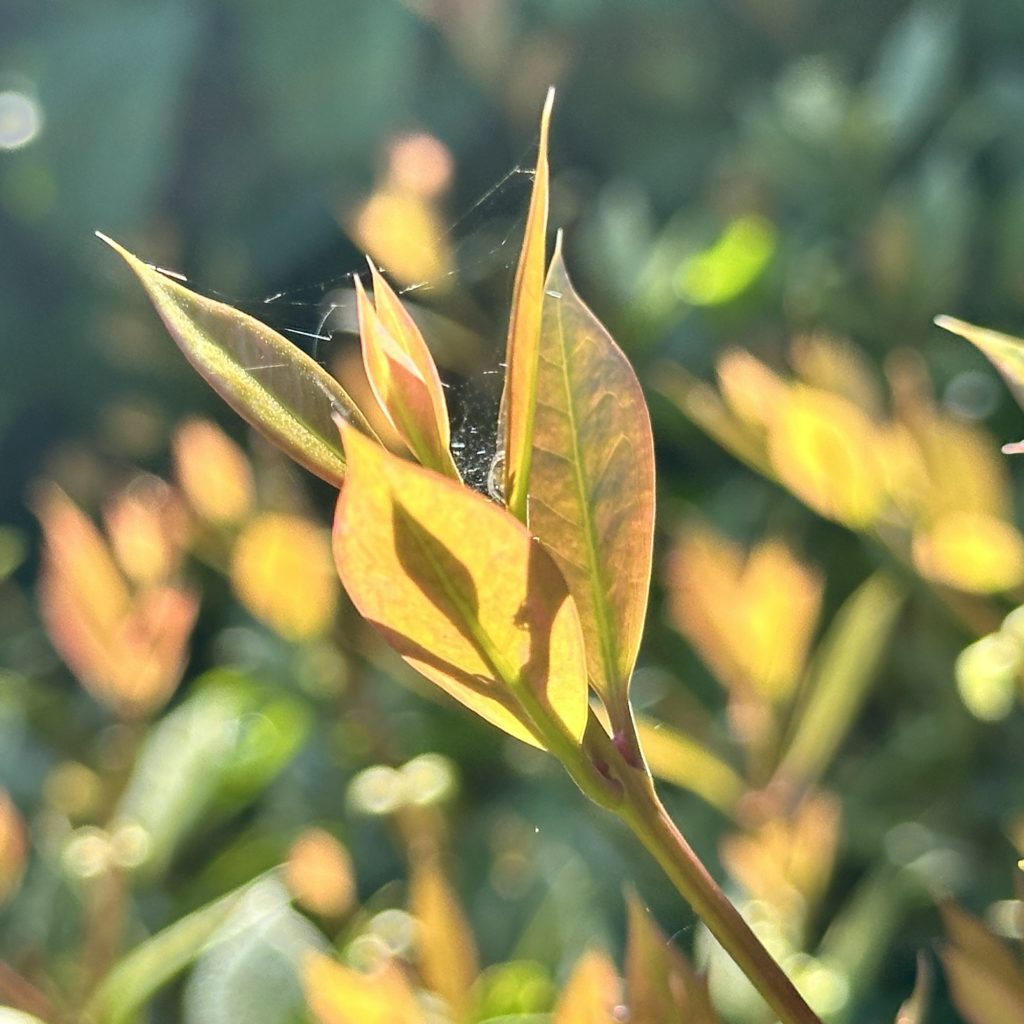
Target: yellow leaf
[281, 571]
[403, 376]
[518, 402]
[213, 472]
[269, 382]
[591, 491]
[824, 449]
[446, 954]
[593, 993]
[462, 591]
[340, 995]
[972, 552]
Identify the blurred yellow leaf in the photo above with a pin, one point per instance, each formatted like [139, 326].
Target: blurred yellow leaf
[319, 874]
[751, 389]
[591, 489]
[750, 617]
[403, 376]
[147, 529]
[593, 993]
[728, 268]
[281, 570]
[972, 552]
[834, 365]
[446, 955]
[340, 995]
[266, 379]
[786, 861]
[518, 401]
[462, 591]
[13, 846]
[213, 472]
[985, 979]
[684, 762]
[825, 450]
[662, 985]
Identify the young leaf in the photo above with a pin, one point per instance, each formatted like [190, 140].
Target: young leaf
[663, 987]
[340, 995]
[592, 994]
[403, 376]
[1005, 352]
[446, 954]
[591, 495]
[269, 382]
[462, 591]
[518, 401]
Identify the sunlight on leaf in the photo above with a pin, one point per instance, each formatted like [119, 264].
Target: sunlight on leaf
[726, 270]
[269, 382]
[1004, 351]
[593, 993]
[971, 551]
[403, 376]
[340, 995]
[213, 472]
[518, 402]
[591, 491]
[281, 571]
[462, 591]
[446, 955]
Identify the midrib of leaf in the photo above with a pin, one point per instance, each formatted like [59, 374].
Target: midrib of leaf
[595, 573]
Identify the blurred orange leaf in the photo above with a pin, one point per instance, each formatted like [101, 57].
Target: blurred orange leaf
[146, 523]
[462, 591]
[662, 985]
[269, 382]
[592, 994]
[13, 846]
[446, 953]
[518, 402]
[212, 471]
[319, 874]
[403, 376]
[591, 489]
[985, 979]
[340, 995]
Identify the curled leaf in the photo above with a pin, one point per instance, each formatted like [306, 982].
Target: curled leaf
[462, 591]
[269, 382]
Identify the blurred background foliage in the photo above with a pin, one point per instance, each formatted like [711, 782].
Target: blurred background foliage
[767, 202]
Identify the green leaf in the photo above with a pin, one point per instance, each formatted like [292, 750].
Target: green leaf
[591, 492]
[462, 591]
[269, 382]
[843, 669]
[518, 401]
[135, 979]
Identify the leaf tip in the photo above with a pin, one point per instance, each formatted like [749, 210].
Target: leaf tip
[951, 324]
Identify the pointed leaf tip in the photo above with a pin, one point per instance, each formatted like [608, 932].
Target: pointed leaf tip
[268, 381]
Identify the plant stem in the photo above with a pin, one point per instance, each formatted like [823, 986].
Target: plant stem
[643, 812]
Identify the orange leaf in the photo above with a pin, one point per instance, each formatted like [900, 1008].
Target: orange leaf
[592, 994]
[445, 953]
[462, 591]
[518, 402]
[213, 472]
[403, 376]
[591, 495]
[663, 987]
[340, 995]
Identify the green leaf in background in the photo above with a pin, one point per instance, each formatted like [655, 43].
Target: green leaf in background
[133, 981]
[844, 667]
[252, 972]
[226, 741]
[267, 380]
